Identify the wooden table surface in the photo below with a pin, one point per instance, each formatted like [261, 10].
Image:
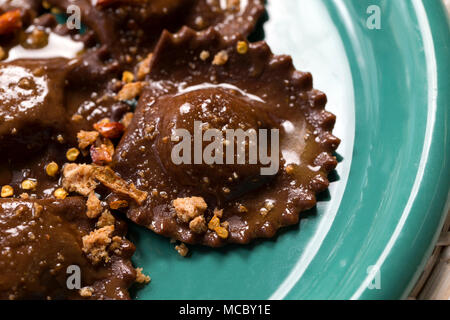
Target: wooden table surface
[434, 284]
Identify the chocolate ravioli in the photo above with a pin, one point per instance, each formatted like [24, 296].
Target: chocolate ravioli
[92, 75]
[129, 28]
[225, 84]
[41, 239]
[39, 96]
[46, 101]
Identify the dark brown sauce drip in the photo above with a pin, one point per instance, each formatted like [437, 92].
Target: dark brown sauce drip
[285, 100]
[37, 247]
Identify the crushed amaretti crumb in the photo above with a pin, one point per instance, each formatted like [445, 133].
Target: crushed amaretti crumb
[141, 277]
[182, 249]
[96, 243]
[79, 178]
[220, 58]
[106, 219]
[189, 208]
[86, 138]
[94, 206]
[144, 67]
[198, 225]
[111, 180]
[130, 91]
[86, 292]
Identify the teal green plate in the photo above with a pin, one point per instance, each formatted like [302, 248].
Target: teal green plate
[371, 234]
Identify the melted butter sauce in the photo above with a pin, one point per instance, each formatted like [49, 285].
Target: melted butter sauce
[57, 47]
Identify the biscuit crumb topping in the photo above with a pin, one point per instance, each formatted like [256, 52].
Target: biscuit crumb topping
[111, 180]
[79, 178]
[95, 244]
[106, 219]
[182, 249]
[117, 204]
[220, 58]
[141, 277]
[144, 67]
[130, 91]
[116, 245]
[204, 55]
[94, 206]
[86, 292]
[82, 179]
[86, 138]
[198, 225]
[189, 208]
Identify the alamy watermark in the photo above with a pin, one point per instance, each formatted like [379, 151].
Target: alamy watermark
[374, 274]
[373, 22]
[229, 148]
[74, 17]
[73, 281]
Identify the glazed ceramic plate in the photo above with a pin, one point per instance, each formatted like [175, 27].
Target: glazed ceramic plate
[371, 234]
